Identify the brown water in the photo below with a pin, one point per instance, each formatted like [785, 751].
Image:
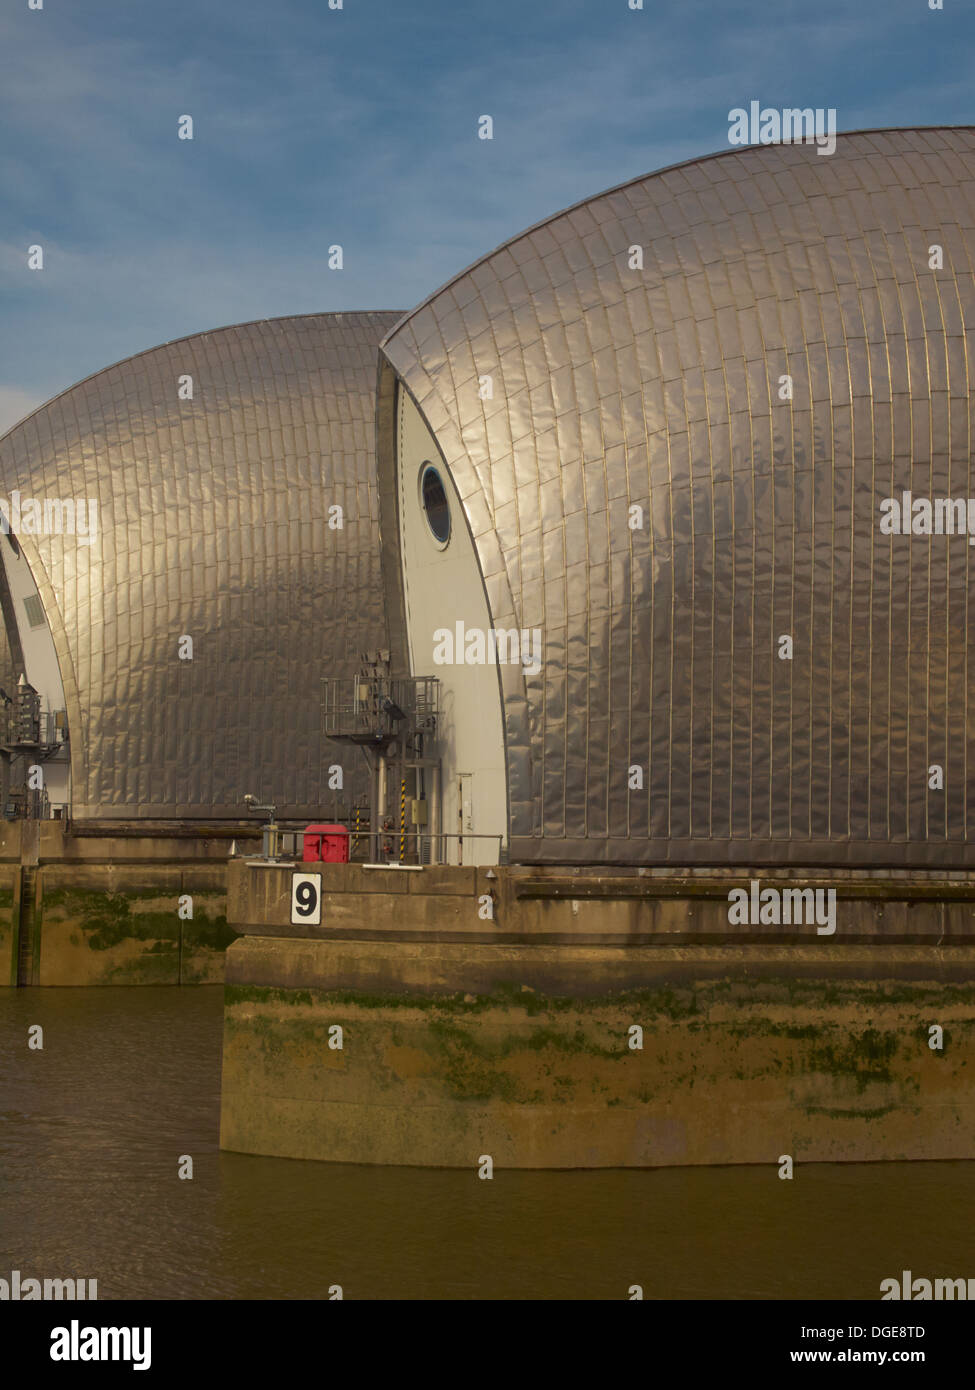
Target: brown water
[92, 1129]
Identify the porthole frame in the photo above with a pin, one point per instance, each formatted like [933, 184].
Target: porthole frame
[441, 541]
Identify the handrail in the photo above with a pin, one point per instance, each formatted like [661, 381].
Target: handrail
[291, 844]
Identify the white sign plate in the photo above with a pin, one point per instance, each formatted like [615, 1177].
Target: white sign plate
[306, 900]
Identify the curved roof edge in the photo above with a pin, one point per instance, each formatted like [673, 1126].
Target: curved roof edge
[201, 333]
[628, 183]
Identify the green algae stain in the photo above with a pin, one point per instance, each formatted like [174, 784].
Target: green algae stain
[865, 1058]
[109, 918]
[664, 1003]
[465, 1071]
[481, 1065]
[213, 933]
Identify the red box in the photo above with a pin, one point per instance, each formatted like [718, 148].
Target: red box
[325, 844]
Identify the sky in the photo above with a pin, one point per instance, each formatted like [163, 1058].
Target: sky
[357, 126]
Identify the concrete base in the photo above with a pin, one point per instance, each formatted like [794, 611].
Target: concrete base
[94, 910]
[523, 1052]
[101, 924]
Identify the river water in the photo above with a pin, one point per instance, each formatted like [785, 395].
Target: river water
[93, 1127]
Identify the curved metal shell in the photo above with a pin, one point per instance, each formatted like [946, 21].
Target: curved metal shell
[664, 388]
[214, 524]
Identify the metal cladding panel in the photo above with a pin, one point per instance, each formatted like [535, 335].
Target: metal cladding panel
[659, 387]
[213, 523]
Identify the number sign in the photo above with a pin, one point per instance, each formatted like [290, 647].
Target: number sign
[306, 900]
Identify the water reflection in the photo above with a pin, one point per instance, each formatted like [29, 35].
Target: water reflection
[92, 1129]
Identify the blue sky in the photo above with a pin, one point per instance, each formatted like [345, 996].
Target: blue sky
[358, 126]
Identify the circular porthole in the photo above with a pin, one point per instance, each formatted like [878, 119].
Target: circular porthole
[433, 497]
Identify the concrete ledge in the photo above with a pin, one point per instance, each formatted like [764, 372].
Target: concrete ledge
[458, 881]
[136, 842]
[114, 878]
[524, 1053]
[607, 887]
[437, 967]
[447, 904]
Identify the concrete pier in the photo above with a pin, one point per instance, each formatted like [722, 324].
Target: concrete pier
[109, 909]
[595, 1020]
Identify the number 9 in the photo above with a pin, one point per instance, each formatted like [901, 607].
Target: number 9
[306, 899]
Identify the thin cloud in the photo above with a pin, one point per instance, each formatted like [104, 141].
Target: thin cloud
[314, 128]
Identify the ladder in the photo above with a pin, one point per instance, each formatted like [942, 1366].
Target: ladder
[25, 936]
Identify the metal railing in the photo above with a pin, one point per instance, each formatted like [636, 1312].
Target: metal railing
[419, 846]
[382, 847]
[43, 728]
[375, 708]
